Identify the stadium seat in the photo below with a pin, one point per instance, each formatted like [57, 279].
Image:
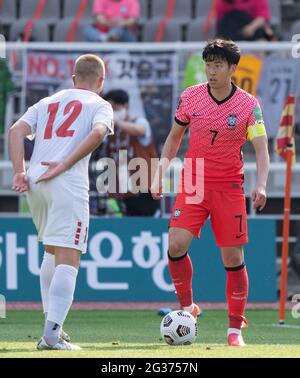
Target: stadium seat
[196, 33]
[182, 9]
[51, 12]
[70, 8]
[295, 28]
[8, 11]
[62, 28]
[173, 31]
[275, 9]
[40, 31]
[144, 4]
[202, 8]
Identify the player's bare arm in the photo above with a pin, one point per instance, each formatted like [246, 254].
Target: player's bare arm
[169, 152]
[88, 145]
[16, 135]
[131, 128]
[258, 195]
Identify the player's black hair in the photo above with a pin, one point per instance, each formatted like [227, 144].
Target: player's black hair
[221, 49]
[117, 96]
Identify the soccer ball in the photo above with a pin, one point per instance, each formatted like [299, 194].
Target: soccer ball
[178, 328]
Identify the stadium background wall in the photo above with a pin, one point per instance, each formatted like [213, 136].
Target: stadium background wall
[127, 261]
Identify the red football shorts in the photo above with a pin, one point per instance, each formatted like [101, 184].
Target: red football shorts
[227, 211]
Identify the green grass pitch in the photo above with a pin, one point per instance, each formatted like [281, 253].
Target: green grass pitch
[132, 333]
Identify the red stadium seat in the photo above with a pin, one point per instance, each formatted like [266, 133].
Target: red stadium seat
[50, 13]
[172, 32]
[202, 8]
[39, 32]
[70, 9]
[8, 11]
[182, 9]
[63, 27]
[196, 32]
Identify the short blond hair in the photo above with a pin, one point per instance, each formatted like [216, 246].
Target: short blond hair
[89, 67]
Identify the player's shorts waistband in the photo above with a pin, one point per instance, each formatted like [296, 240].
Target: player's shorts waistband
[223, 187]
[218, 187]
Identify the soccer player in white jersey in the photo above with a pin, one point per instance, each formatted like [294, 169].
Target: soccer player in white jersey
[68, 126]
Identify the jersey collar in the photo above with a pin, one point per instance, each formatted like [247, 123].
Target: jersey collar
[226, 98]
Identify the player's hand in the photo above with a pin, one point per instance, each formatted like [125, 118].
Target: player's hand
[20, 182]
[55, 168]
[259, 198]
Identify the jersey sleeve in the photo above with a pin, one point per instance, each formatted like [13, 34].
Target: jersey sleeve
[181, 116]
[31, 117]
[105, 116]
[256, 126]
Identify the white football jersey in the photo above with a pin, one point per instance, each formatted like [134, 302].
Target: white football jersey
[60, 123]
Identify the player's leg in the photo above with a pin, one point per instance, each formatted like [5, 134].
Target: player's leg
[39, 210]
[66, 229]
[236, 292]
[46, 274]
[186, 220]
[61, 292]
[228, 219]
[180, 265]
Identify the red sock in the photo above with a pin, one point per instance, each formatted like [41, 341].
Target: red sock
[181, 270]
[237, 294]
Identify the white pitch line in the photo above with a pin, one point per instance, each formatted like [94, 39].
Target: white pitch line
[286, 326]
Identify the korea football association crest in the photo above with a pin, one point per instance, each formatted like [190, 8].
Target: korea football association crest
[177, 213]
[231, 121]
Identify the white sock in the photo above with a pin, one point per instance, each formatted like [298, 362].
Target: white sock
[189, 309]
[61, 293]
[51, 332]
[47, 272]
[233, 330]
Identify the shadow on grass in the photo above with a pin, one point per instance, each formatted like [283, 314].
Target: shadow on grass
[5, 351]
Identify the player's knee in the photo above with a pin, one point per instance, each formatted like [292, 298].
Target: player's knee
[233, 260]
[50, 249]
[176, 248]
[232, 256]
[67, 256]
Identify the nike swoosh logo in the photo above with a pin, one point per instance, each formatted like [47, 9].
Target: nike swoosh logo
[239, 236]
[198, 115]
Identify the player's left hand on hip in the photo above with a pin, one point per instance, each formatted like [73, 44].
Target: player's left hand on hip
[20, 182]
[55, 168]
[259, 198]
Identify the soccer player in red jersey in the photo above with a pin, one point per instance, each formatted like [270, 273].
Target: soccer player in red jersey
[221, 117]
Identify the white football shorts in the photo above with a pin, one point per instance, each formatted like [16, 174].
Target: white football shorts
[60, 212]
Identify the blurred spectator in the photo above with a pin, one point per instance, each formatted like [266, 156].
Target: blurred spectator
[115, 20]
[243, 20]
[135, 136]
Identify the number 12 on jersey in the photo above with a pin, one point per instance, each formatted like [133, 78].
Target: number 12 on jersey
[73, 108]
